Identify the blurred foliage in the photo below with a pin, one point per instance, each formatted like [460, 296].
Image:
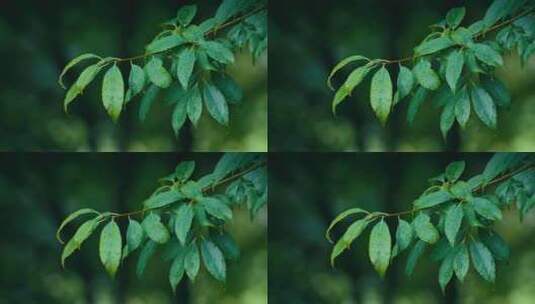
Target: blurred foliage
[39, 190]
[311, 189]
[40, 37]
[309, 37]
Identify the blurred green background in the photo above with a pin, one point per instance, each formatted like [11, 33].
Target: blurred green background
[309, 190]
[39, 37]
[307, 39]
[39, 190]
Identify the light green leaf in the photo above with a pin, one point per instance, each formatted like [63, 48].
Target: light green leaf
[81, 234]
[162, 199]
[134, 237]
[487, 54]
[341, 217]
[83, 80]
[110, 247]
[113, 92]
[186, 14]
[455, 170]
[381, 94]
[154, 228]
[164, 44]
[72, 217]
[486, 208]
[218, 52]
[447, 118]
[341, 65]
[405, 81]
[425, 75]
[179, 116]
[186, 62]
[455, 16]
[216, 208]
[213, 260]
[454, 68]
[462, 36]
[380, 247]
[462, 107]
[136, 81]
[184, 170]
[216, 104]
[432, 199]
[194, 106]
[183, 220]
[496, 11]
[425, 229]
[349, 236]
[176, 272]
[157, 73]
[416, 101]
[416, 252]
[484, 107]
[501, 162]
[404, 235]
[452, 223]
[192, 262]
[461, 262]
[433, 46]
[146, 102]
[445, 272]
[354, 79]
[482, 260]
[144, 256]
[74, 62]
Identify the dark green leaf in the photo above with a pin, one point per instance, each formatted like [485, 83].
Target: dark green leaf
[487, 54]
[501, 162]
[216, 208]
[341, 65]
[72, 217]
[453, 221]
[445, 273]
[144, 256]
[455, 170]
[83, 80]
[497, 246]
[497, 91]
[230, 89]
[496, 11]
[461, 262]
[110, 247]
[354, 79]
[486, 209]
[416, 252]
[483, 261]
[216, 104]
[179, 115]
[213, 260]
[218, 52]
[484, 107]
[147, 101]
[447, 118]
[454, 68]
[455, 16]
[192, 261]
[183, 220]
[194, 106]
[227, 244]
[416, 101]
[186, 62]
[176, 272]
[186, 14]
[74, 62]
[134, 237]
[462, 107]
[349, 236]
[81, 234]
[136, 81]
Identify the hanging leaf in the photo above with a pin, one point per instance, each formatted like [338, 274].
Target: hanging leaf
[447, 119]
[425, 229]
[74, 62]
[83, 80]
[176, 272]
[179, 116]
[380, 247]
[461, 262]
[192, 261]
[454, 68]
[157, 74]
[147, 101]
[216, 104]
[381, 94]
[194, 105]
[186, 14]
[136, 82]
[405, 81]
[425, 75]
[486, 209]
[445, 273]
[186, 62]
[134, 237]
[404, 235]
[455, 16]
[183, 220]
[416, 252]
[164, 44]
[213, 260]
[483, 260]
[216, 208]
[113, 92]
[110, 247]
[154, 228]
[354, 79]
[71, 218]
[484, 107]
[433, 46]
[218, 52]
[462, 107]
[83, 232]
[341, 65]
[416, 101]
[487, 54]
[453, 221]
[146, 253]
[341, 217]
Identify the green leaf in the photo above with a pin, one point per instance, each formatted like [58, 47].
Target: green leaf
[445, 273]
[136, 81]
[486, 209]
[433, 46]
[216, 208]
[452, 223]
[134, 237]
[194, 106]
[227, 244]
[191, 190]
[186, 14]
[425, 229]
[179, 116]
[216, 104]
[497, 246]
[405, 81]
[454, 68]
[176, 272]
[354, 79]
[349, 236]
[487, 54]
[404, 235]
[113, 92]
[157, 74]
[381, 94]
[83, 80]
[380, 247]
[455, 170]
[218, 52]
[183, 220]
[416, 252]
[81, 234]
[154, 228]
[497, 91]
[146, 102]
[447, 118]
[416, 101]
[72, 217]
[455, 16]
[462, 36]
[432, 199]
[496, 11]
[230, 89]
[341, 217]
[484, 107]
[110, 247]
[462, 107]
[213, 260]
[186, 62]
[144, 256]
[500, 163]
[461, 190]
[164, 44]
[162, 199]
[184, 170]
[482, 260]
[74, 62]
[461, 262]
[341, 65]
[192, 262]
[425, 75]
